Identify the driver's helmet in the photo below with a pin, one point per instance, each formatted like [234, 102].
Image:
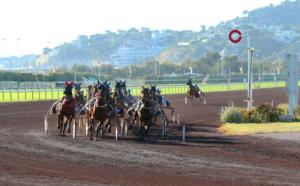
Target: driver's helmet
[110, 88]
[158, 90]
[195, 85]
[129, 90]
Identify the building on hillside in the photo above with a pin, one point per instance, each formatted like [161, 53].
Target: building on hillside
[158, 34]
[41, 60]
[130, 53]
[143, 29]
[121, 32]
[183, 43]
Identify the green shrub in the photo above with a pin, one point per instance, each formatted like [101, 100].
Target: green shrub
[252, 116]
[231, 114]
[270, 112]
[263, 113]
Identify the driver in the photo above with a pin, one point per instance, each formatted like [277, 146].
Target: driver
[163, 100]
[198, 91]
[130, 96]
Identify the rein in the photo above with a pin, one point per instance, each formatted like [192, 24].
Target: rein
[69, 105]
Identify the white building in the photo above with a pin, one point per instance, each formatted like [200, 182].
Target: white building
[129, 53]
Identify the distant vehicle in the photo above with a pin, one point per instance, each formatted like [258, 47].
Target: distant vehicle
[193, 74]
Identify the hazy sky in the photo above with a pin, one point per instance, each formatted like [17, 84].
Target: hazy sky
[35, 22]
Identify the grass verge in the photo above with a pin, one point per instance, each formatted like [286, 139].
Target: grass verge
[247, 128]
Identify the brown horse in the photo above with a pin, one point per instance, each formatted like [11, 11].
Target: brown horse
[192, 91]
[145, 113]
[99, 112]
[67, 109]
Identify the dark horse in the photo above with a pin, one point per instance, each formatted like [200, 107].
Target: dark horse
[153, 94]
[192, 91]
[66, 109]
[120, 97]
[99, 112]
[145, 113]
[78, 95]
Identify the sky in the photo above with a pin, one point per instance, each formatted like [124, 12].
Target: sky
[28, 26]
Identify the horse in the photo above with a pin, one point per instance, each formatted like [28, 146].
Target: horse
[153, 94]
[89, 92]
[154, 97]
[99, 112]
[66, 109]
[129, 100]
[120, 95]
[144, 112]
[192, 91]
[78, 95]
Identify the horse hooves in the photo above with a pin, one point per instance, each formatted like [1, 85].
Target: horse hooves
[95, 139]
[63, 135]
[109, 130]
[58, 127]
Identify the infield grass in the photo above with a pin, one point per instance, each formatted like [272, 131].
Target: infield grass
[247, 128]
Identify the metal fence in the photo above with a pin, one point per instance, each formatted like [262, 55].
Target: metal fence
[35, 94]
[174, 81]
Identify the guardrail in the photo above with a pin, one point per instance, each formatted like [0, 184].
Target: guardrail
[36, 94]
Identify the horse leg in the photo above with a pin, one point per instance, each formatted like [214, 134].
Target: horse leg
[109, 126]
[70, 120]
[91, 123]
[58, 122]
[140, 132]
[148, 126]
[106, 124]
[135, 116]
[64, 128]
[97, 131]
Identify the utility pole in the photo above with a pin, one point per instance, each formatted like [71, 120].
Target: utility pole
[99, 69]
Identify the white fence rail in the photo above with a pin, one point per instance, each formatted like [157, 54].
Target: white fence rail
[33, 94]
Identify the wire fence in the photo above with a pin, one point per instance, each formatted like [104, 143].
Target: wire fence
[36, 94]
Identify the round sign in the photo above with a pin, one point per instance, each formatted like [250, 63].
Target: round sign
[238, 32]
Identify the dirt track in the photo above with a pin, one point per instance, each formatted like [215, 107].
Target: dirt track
[28, 157]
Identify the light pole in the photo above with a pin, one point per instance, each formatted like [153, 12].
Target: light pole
[99, 69]
[154, 67]
[130, 72]
[45, 64]
[158, 67]
[75, 74]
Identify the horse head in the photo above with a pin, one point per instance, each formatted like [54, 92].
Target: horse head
[123, 88]
[77, 88]
[189, 82]
[101, 90]
[120, 88]
[68, 88]
[107, 88]
[152, 89]
[145, 94]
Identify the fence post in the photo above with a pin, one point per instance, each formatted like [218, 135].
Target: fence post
[39, 94]
[45, 93]
[10, 94]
